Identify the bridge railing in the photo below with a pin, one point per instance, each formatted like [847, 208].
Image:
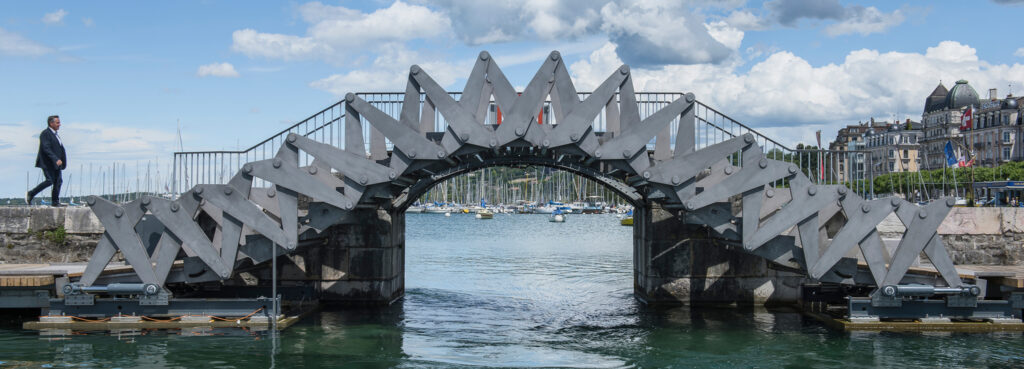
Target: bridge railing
[326, 126]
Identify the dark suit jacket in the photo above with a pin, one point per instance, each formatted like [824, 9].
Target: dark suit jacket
[50, 150]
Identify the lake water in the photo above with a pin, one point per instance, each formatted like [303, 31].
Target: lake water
[519, 291]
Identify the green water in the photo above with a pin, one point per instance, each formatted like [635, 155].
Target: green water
[518, 291]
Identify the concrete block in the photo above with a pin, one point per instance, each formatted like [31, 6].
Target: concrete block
[972, 221]
[195, 319]
[891, 226]
[1012, 220]
[935, 320]
[125, 319]
[864, 319]
[81, 220]
[55, 319]
[43, 218]
[14, 219]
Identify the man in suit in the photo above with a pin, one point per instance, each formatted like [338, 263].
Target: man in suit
[52, 159]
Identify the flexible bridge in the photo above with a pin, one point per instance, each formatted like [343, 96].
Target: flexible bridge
[733, 187]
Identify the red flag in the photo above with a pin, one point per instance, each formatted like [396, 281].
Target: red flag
[967, 120]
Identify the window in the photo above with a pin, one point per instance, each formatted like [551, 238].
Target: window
[892, 166]
[906, 153]
[892, 153]
[1006, 153]
[1006, 137]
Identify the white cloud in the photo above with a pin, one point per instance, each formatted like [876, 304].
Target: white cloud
[785, 92]
[661, 33]
[865, 21]
[217, 70]
[56, 17]
[14, 44]
[390, 72]
[88, 22]
[745, 20]
[334, 32]
[1019, 52]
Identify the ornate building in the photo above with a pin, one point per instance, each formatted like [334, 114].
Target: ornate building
[995, 135]
[941, 120]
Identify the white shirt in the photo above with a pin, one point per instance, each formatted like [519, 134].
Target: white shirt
[56, 135]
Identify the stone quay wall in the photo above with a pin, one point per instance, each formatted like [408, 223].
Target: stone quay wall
[984, 236]
[31, 235]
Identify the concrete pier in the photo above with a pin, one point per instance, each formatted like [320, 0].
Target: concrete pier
[364, 262]
[676, 263]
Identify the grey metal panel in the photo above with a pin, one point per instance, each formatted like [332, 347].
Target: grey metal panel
[807, 199]
[352, 166]
[187, 232]
[474, 95]
[245, 211]
[354, 132]
[919, 232]
[378, 145]
[461, 118]
[168, 252]
[119, 223]
[564, 94]
[738, 182]
[291, 177]
[862, 218]
[611, 113]
[685, 135]
[427, 116]
[873, 249]
[685, 166]
[401, 135]
[519, 116]
[637, 138]
[939, 256]
[101, 256]
[579, 120]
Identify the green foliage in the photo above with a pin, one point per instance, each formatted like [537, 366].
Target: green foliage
[962, 177]
[57, 236]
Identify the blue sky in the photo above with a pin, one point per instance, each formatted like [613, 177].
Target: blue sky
[122, 74]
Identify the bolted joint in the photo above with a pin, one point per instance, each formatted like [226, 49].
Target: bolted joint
[689, 205]
[312, 170]
[624, 69]
[842, 191]
[894, 202]
[690, 98]
[392, 175]
[728, 170]
[922, 214]
[493, 143]
[198, 191]
[175, 207]
[546, 143]
[950, 202]
[441, 154]
[228, 191]
[792, 169]
[91, 200]
[146, 201]
[647, 174]
[763, 163]
[276, 163]
[348, 205]
[464, 137]
[412, 154]
[292, 137]
[625, 153]
[272, 193]
[363, 180]
[574, 137]
[748, 138]
[555, 56]
[350, 97]
[676, 180]
[865, 208]
[415, 69]
[520, 131]
[813, 190]
[485, 55]
[118, 212]
[247, 168]
[770, 193]
[597, 154]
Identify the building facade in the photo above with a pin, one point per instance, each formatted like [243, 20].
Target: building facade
[943, 110]
[894, 148]
[995, 137]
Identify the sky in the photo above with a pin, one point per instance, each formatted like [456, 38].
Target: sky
[126, 76]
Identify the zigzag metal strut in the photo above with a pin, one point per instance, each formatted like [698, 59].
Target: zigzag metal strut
[786, 225]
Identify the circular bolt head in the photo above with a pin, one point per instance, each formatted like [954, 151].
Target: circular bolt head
[865, 208]
[842, 191]
[792, 169]
[546, 143]
[625, 153]
[175, 206]
[728, 170]
[412, 154]
[350, 97]
[272, 193]
[415, 69]
[145, 201]
[690, 97]
[950, 202]
[348, 206]
[894, 202]
[118, 212]
[922, 214]
[440, 154]
[292, 137]
[574, 137]
[91, 200]
[464, 137]
[889, 290]
[392, 175]
[676, 180]
[520, 131]
[624, 69]
[199, 191]
[151, 289]
[647, 175]
[551, 79]
[597, 153]
[813, 190]
[763, 163]
[974, 290]
[247, 168]
[493, 143]
[748, 138]
[277, 163]
[770, 193]
[484, 55]
[228, 191]
[363, 180]
[312, 170]
[555, 55]
[688, 205]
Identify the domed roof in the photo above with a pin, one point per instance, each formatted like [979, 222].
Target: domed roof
[937, 99]
[1010, 103]
[962, 95]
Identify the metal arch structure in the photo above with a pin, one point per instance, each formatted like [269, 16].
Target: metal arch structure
[783, 215]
